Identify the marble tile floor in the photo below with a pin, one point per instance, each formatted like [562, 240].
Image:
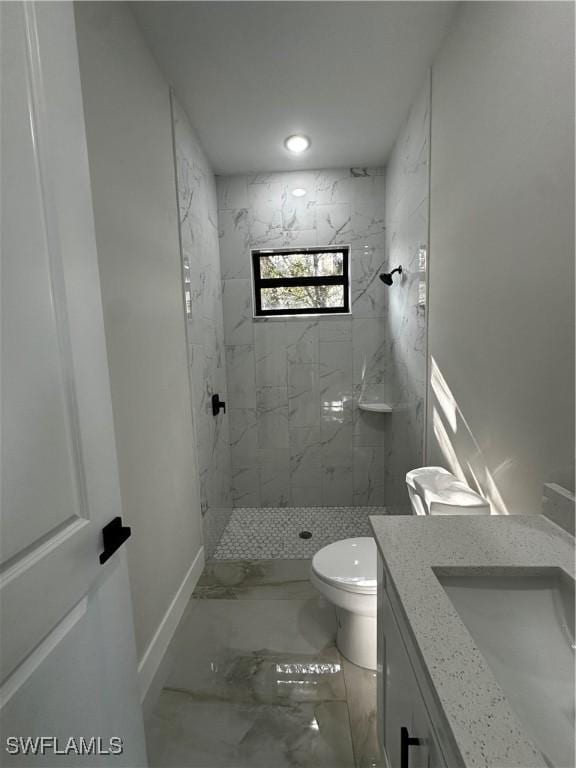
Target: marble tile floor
[256, 680]
[273, 532]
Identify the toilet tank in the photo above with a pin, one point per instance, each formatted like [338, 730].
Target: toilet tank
[435, 491]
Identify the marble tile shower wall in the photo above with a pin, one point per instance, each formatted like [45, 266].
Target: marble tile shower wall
[297, 438]
[407, 191]
[200, 253]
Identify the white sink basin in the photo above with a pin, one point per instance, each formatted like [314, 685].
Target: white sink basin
[522, 621]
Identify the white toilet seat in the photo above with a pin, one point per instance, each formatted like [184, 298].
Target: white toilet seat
[354, 602]
[349, 565]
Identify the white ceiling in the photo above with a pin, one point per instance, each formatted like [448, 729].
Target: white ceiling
[251, 73]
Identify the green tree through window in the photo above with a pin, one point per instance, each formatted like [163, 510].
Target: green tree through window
[304, 281]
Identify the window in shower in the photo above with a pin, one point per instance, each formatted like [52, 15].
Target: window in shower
[302, 281]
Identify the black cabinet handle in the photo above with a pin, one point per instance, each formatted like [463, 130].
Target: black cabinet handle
[114, 535]
[217, 404]
[406, 741]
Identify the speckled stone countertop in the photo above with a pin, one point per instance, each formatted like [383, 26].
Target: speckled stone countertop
[481, 722]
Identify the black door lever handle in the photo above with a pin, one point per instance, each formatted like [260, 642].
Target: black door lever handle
[114, 535]
[217, 404]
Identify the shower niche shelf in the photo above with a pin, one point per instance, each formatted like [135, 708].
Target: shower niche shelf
[375, 407]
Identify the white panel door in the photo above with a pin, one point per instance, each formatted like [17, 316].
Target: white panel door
[59, 481]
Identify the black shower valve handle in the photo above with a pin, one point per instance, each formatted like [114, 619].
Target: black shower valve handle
[217, 405]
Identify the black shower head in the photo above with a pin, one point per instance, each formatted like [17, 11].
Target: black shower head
[387, 276]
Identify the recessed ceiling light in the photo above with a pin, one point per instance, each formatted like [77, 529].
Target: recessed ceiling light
[297, 143]
[299, 192]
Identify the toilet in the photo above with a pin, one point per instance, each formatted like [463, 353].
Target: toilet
[345, 572]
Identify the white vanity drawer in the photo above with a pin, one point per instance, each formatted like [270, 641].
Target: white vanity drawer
[402, 714]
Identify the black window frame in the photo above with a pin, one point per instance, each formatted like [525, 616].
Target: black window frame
[260, 282]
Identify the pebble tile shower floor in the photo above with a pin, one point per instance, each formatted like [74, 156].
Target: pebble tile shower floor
[268, 533]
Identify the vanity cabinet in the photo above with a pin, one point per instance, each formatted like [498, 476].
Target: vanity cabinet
[405, 727]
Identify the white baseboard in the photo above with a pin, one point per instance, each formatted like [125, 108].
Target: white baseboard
[152, 659]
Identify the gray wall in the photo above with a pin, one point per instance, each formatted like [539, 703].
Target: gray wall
[501, 335]
[127, 108]
[201, 262]
[407, 186]
[297, 437]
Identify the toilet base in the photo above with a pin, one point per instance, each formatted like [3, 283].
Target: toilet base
[356, 638]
